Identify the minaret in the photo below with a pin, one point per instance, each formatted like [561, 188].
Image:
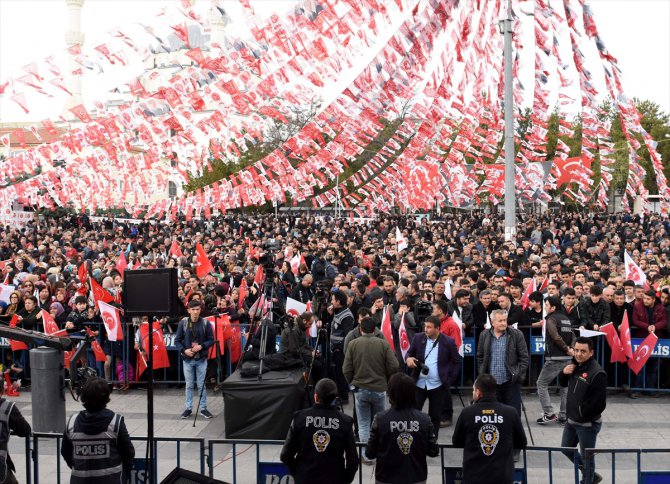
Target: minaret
[72, 37]
[217, 24]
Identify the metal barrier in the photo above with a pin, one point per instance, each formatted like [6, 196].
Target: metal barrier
[641, 476]
[619, 373]
[537, 465]
[279, 471]
[33, 455]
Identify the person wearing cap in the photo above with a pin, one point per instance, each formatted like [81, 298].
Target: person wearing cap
[320, 445]
[193, 339]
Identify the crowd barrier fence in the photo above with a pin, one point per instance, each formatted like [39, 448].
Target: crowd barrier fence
[619, 373]
[205, 456]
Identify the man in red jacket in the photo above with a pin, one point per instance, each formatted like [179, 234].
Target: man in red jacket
[649, 316]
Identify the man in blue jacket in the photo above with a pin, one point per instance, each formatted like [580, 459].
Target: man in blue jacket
[436, 364]
[193, 339]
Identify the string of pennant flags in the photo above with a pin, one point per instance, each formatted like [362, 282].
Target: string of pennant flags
[439, 74]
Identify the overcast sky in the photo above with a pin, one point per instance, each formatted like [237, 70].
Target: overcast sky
[635, 31]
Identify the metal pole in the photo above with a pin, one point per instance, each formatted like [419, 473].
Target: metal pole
[337, 202]
[510, 196]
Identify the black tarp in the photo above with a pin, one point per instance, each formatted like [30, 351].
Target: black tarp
[262, 409]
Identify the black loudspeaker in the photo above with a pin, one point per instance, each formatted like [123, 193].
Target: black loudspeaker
[150, 292]
[181, 476]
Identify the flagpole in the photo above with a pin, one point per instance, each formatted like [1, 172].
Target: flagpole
[510, 196]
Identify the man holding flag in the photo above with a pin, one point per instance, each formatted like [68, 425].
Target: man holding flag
[368, 364]
[649, 316]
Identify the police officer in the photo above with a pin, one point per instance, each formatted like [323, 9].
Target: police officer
[320, 445]
[488, 431]
[10, 419]
[96, 444]
[401, 437]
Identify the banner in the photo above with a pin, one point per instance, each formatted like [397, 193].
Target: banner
[15, 218]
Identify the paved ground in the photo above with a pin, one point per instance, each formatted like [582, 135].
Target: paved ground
[643, 423]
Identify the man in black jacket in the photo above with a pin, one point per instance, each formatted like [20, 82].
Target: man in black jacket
[502, 352]
[489, 433]
[587, 398]
[320, 444]
[401, 437]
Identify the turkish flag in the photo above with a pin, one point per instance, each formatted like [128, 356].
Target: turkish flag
[82, 273]
[80, 112]
[633, 271]
[175, 250]
[260, 275]
[295, 263]
[294, 307]
[243, 293]
[219, 328]
[204, 266]
[112, 321]
[235, 343]
[404, 339]
[16, 345]
[97, 349]
[526, 294]
[642, 353]
[160, 355]
[121, 264]
[613, 340]
[624, 336]
[386, 327]
[50, 326]
[99, 293]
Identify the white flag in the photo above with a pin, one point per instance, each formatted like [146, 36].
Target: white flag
[633, 271]
[457, 320]
[487, 325]
[400, 240]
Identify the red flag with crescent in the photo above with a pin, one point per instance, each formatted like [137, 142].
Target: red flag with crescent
[642, 353]
[386, 327]
[16, 345]
[624, 336]
[404, 339]
[112, 321]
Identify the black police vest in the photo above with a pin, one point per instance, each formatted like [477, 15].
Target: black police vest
[564, 328]
[5, 409]
[95, 456]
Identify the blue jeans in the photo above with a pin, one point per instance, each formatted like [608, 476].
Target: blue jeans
[510, 394]
[586, 438]
[195, 370]
[368, 404]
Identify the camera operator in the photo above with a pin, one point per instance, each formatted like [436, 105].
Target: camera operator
[340, 326]
[436, 363]
[193, 339]
[294, 342]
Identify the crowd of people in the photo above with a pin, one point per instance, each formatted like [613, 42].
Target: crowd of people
[381, 310]
[454, 264]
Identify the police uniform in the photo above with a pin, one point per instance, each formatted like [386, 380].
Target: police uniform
[488, 431]
[97, 448]
[400, 440]
[10, 419]
[320, 446]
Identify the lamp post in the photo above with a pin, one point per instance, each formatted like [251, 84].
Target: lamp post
[505, 26]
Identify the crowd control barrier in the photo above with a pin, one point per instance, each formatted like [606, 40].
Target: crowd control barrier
[618, 374]
[245, 461]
